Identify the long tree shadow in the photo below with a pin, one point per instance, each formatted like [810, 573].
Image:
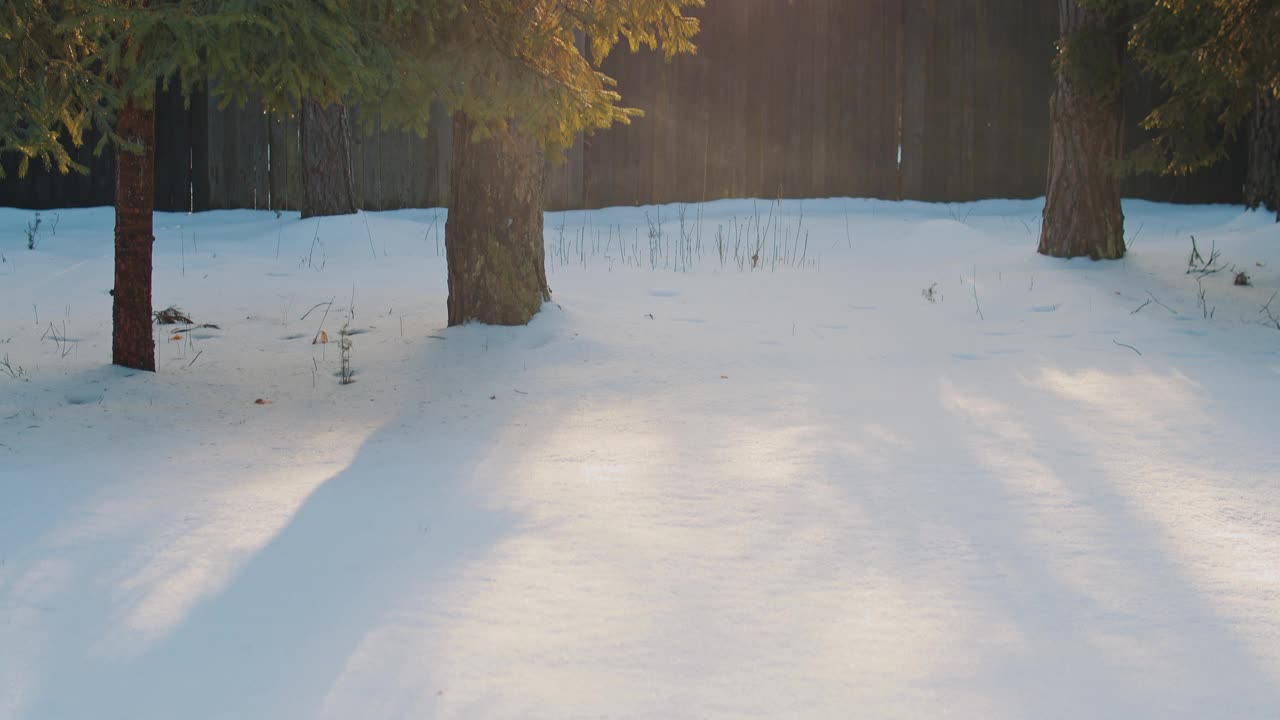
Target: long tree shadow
[398, 521]
[1071, 602]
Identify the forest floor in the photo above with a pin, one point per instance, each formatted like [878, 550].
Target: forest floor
[896, 465]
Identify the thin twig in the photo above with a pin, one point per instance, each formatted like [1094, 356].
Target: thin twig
[1157, 301]
[194, 359]
[1266, 309]
[1134, 238]
[976, 305]
[313, 307]
[1128, 346]
[370, 234]
[320, 329]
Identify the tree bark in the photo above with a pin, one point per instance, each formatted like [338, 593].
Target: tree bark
[1082, 214]
[132, 342]
[1262, 186]
[493, 237]
[328, 187]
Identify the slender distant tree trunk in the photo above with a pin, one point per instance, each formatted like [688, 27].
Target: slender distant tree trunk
[1082, 214]
[493, 237]
[328, 187]
[1262, 187]
[132, 343]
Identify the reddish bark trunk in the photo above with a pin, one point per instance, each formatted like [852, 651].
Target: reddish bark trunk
[1082, 214]
[132, 342]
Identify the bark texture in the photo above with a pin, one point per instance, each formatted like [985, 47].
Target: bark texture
[493, 237]
[1262, 186]
[132, 342]
[1082, 214]
[328, 186]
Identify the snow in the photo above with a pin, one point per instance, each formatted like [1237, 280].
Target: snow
[689, 488]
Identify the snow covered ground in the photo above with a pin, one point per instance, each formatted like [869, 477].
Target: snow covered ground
[903, 467]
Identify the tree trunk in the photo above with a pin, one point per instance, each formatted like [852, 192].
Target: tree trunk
[1082, 214]
[1263, 184]
[493, 237]
[132, 343]
[328, 187]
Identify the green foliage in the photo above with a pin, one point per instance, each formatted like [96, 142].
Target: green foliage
[1092, 57]
[497, 60]
[69, 64]
[538, 60]
[47, 86]
[1212, 58]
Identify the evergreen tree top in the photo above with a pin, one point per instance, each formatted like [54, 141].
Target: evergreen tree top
[1213, 60]
[47, 87]
[66, 64]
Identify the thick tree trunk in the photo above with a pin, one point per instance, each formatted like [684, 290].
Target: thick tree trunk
[1262, 187]
[132, 343]
[493, 237]
[328, 187]
[1082, 214]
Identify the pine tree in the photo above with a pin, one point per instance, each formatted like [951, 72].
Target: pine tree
[1218, 65]
[521, 78]
[45, 86]
[526, 82]
[66, 64]
[512, 67]
[1219, 62]
[1082, 214]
